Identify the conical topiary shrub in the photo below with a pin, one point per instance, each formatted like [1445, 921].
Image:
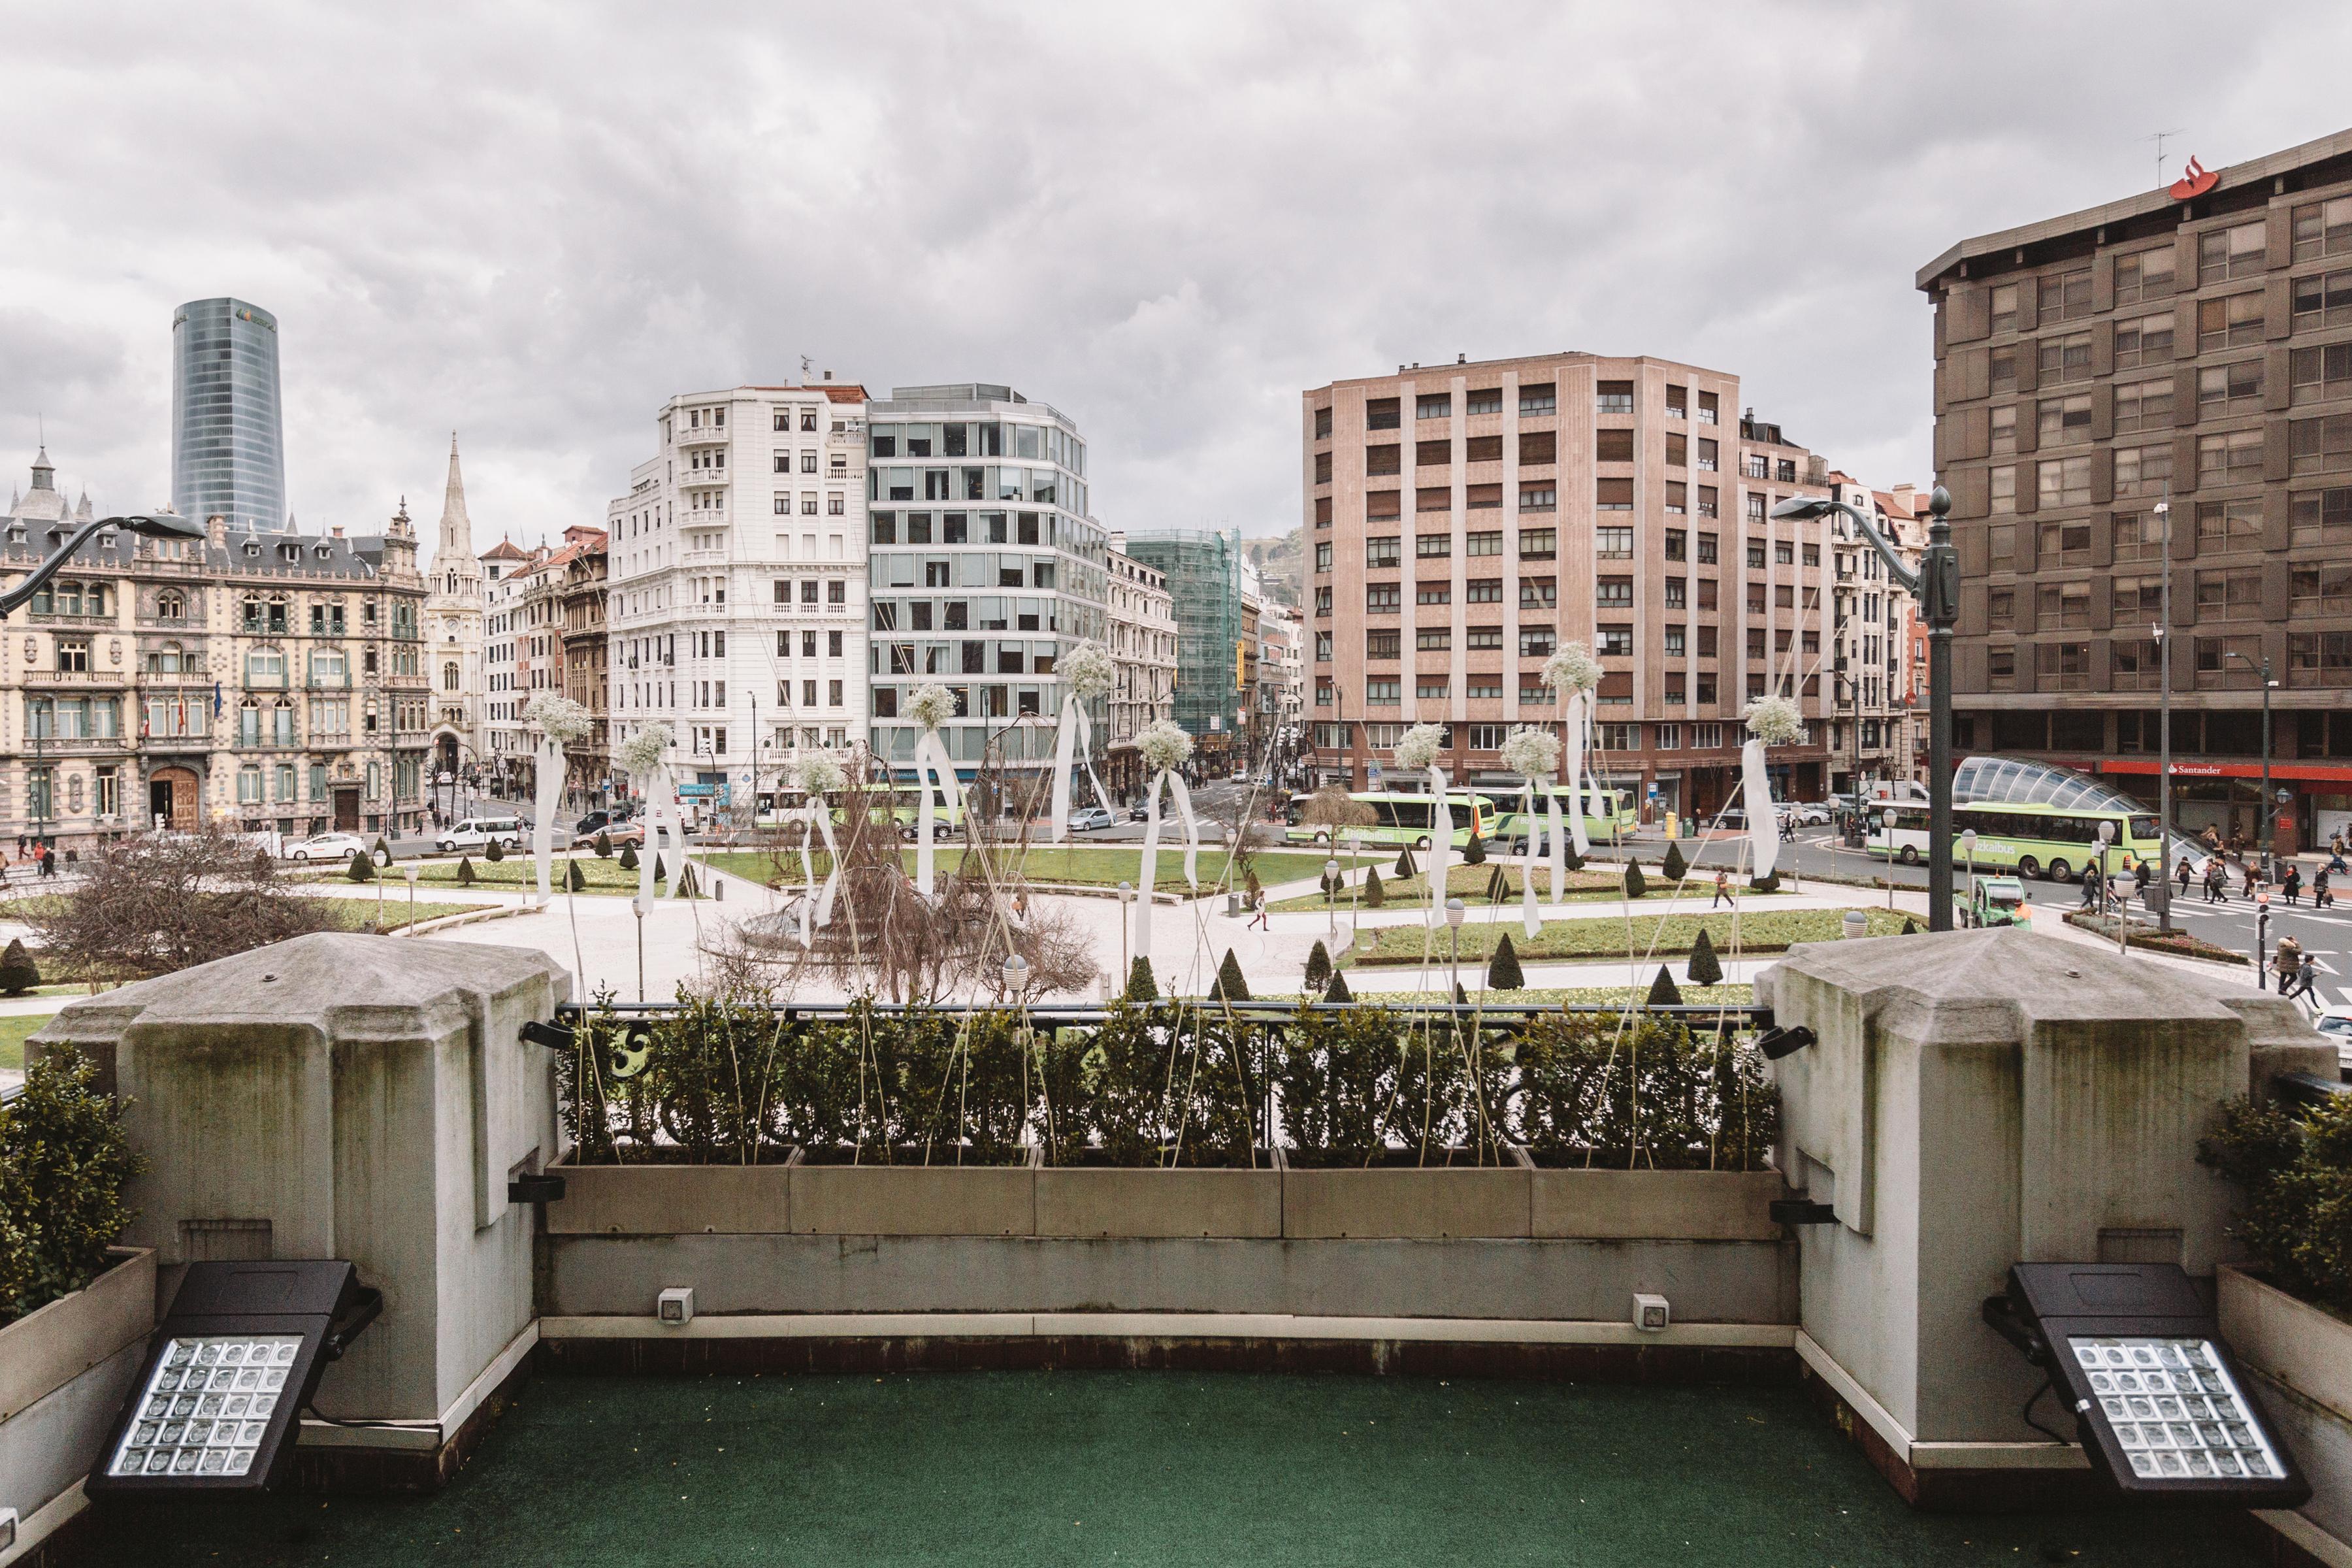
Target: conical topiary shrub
[1910, 927]
[1502, 971]
[1338, 992]
[1140, 985]
[382, 851]
[687, 886]
[19, 973]
[603, 846]
[1569, 858]
[1230, 986]
[1637, 885]
[1771, 884]
[360, 870]
[1474, 852]
[496, 852]
[1704, 969]
[628, 857]
[1318, 967]
[1498, 887]
[574, 879]
[1662, 990]
[1673, 867]
[1374, 894]
[465, 870]
[1404, 865]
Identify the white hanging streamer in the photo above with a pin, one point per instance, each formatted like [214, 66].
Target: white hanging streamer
[1557, 847]
[1440, 846]
[661, 812]
[1763, 821]
[1075, 742]
[816, 908]
[1577, 724]
[547, 800]
[931, 763]
[1532, 916]
[1149, 875]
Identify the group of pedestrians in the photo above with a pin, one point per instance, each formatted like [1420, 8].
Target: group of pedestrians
[40, 857]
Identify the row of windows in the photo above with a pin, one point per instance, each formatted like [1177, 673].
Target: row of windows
[1609, 397]
[2223, 255]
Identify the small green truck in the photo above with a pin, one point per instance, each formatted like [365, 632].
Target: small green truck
[1995, 902]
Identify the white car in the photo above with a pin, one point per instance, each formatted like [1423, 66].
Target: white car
[1807, 814]
[325, 847]
[480, 832]
[2335, 1022]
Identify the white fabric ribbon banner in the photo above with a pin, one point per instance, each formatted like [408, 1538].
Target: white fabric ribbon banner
[1533, 917]
[1149, 875]
[661, 812]
[1440, 846]
[547, 800]
[1075, 744]
[816, 908]
[934, 775]
[1576, 723]
[1763, 822]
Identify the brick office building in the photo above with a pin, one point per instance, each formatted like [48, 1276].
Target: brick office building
[2199, 346]
[1464, 519]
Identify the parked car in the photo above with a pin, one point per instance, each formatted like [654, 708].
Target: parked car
[1090, 818]
[1806, 812]
[325, 847]
[480, 832]
[619, 833]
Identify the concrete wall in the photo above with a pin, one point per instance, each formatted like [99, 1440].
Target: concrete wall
[63, 1371]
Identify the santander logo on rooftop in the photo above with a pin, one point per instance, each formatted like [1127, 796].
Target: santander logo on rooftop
[2195, 181]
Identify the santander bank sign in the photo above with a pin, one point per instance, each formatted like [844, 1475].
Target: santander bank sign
[2195, 181]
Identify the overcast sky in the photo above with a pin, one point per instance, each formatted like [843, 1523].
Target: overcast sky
[531, 224]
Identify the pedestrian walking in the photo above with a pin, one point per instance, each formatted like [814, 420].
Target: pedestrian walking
[2253, 875]
[2321, 897]
[2185, 875]
[1722, 887]
[2093, 886]
[2292, 883]
[2217, 881]
[2306, 981]
[1258, 917]
[2286, 962]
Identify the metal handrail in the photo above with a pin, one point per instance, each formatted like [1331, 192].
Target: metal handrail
[1746, 1013]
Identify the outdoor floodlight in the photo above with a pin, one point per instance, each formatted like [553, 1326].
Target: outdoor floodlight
[2160, 1405]
[228, 1371]
[1775, 1042]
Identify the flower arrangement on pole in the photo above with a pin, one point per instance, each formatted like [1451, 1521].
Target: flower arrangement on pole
[645, 754]
[1165, 749]
[1533, 753]
[1417, 748]
[1088, 673]
[930, 705]
[1575, 674]
[817, 775]
[560, 721]
[1771, 722]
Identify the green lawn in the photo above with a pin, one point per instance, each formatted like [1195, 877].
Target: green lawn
[12, 1031]
[1600, 937]
[515, 874]
[1098, 866]
[359, 914]
[1589, 995]
[1469, 883]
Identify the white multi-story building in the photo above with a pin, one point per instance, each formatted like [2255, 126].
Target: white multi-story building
[505, 748]
[735, 605]
[1869, 736]
[1143, 645]
[453, 631]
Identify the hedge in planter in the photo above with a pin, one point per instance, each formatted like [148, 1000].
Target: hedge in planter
[64, 1163]
[2294, 1169]
[1643, 1093]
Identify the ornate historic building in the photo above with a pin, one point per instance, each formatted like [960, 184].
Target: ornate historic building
[584, 563]
[271, 682]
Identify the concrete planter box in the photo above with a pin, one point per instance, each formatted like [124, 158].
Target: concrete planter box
[2300, 1357]
[1680, 1206]
[1419, 1203]
[914, 1200]
[1153, 1202]
[63, 1371]
[665, 1200]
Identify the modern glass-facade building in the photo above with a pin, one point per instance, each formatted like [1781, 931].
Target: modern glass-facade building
[1204, 579]
[228, 439]
[984, 567]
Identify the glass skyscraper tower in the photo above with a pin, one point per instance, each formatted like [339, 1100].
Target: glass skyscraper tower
[228, 441]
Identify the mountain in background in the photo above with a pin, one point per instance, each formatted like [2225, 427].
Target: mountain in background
[1281, 561]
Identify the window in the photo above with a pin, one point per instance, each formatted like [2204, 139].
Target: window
[1478, 638]
[1707, 545]
[2065, 358]
[1488, 737]
[2131, 662]
[1322, 424]
[1483, 449]
[2062, 605]
[1426, 545]
[2236, 321]
[1612, 544]
[2144, 405]
[1613, 397]
[2322, 301]
[1612, 495]
[1784, 551]
[2000, 668]
[2145, 275]
[2229, 595]
[2227, 660]
[1434, 405]
[1437, 454]
[2000, 609]
[2066, 543]
[2065, 482]
[2000, 544]
[1675, 642]
[1677, 498]
[1323, 557]
[1678, 450]
[2146, 340]
[1383, 691]
[1537, 400]
[1538, 593]
[1613, 592]
[2002, 488]
[1433, 594]
[2230, 524]
[2140, 536]
[1434, 497]
[1384, 461]
[2316, 374]
[2001, 369]
[2322, 589]
[2234, 252]
[2315, 444]
[1677, 593]
[1482, 591]
[2321, 517]
[2063, 421]
[2065, 297]
[1490, 400]
[1612, 642]
[1677, 403]
[1384, 551]
[1613, 446]
[1535, 544]
[2324, 228]
[1383, 506]
[1755, 505]
[1434, 641]
[1677, 544]
[1322, 467]
[2063, 666]
[2143, 471]
[1384, 599]
[1538, 497]
[2224, 383]
[1433, 688]
[2004, 307]
[2235, 458]
[2318, 658]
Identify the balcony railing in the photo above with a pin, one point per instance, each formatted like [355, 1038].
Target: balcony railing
[79, 677]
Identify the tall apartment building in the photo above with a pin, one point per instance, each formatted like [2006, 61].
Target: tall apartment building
[1204, 568]
[454, 604]
[736, 607]
[1281, 674]
[1464, 519]
[506, 753]
[984, 564]
[1142, 640]
[265, 680]
[1868, 735]
[2188, 345]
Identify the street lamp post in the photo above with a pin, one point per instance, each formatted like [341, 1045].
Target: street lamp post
[1455, 913]
[2164, 722]
[2265, 821]
[1968, 847]
[1331, 898]
[1937, 585]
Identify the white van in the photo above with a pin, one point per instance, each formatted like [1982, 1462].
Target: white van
[479, 832]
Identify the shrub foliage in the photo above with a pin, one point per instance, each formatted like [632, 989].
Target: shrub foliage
[64, 1163]
[2294, 1171]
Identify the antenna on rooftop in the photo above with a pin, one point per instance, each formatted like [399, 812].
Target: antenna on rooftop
[2158, 137]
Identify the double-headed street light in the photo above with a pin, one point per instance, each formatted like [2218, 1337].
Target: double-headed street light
[2265, 823]
[1937, 585]
[164, 526]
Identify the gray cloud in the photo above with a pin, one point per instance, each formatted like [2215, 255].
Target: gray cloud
[532, 222]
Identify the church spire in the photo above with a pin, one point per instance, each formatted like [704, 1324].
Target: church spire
[456, 527]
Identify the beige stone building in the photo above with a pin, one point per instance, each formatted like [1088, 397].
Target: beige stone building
[1464, 519]
[1143, 645]
[587, 659]
[269, 681]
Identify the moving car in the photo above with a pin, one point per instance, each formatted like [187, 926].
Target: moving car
[479, 832]
[2335, 1022]
[325, 847]
[1806, 814]
[1997, 901]
[620, 833]
[1090, 818]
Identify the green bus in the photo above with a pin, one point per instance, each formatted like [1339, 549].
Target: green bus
[1397, 819]
[2054, 841]
[1612, 822]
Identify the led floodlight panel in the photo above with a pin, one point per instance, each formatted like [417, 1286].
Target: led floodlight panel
[216, 1406]
[2163, 1409]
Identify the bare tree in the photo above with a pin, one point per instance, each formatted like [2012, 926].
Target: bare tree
[158, 903]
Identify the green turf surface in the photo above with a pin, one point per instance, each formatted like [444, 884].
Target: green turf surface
[12, 1031]
[359, 914]
[1600, 936]
[1471, 883]
[1088, 864]
[515, 874]
[1040, 1469]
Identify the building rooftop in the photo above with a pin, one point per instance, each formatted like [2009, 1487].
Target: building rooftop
[1049, 1468]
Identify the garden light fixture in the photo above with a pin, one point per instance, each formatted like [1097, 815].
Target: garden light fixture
[228, 1371]
[2160, 1405]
